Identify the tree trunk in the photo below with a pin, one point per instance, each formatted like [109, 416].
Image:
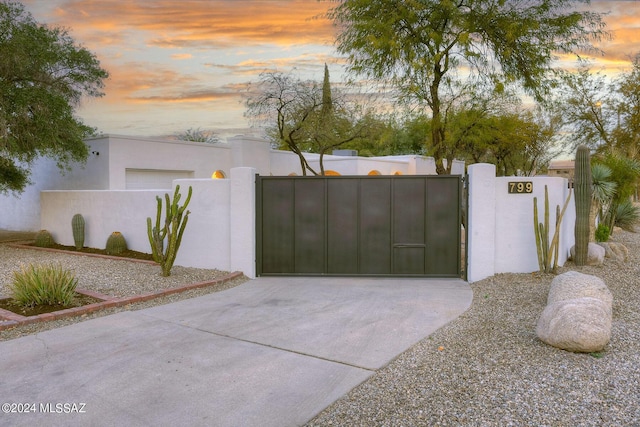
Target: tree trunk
[436, 122]
[593, 213]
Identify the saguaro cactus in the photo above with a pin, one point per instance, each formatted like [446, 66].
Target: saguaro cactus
[582, 186]
[175, 221]
[77, 225]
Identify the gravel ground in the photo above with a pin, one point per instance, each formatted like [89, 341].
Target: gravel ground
[487, 368]
[117, 278]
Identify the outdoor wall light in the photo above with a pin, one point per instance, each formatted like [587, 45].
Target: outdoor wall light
[218, 175]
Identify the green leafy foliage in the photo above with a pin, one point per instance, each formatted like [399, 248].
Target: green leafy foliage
[418, 47]
[625, 172]
[43, 76]
[601, 113]
[602, 233]
[45, 284]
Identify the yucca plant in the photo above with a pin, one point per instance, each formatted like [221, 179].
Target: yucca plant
[43, 284]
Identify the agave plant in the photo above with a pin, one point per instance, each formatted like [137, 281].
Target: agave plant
[627, 215]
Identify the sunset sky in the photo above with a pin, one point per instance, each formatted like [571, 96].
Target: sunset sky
[176, 65]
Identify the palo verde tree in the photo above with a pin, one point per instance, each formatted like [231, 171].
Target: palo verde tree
[303, 116]
[602, 114]
[43, 76]
[286, 104]
[419, 46]
[335, 124]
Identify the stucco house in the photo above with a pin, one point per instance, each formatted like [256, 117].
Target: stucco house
[119, 162]
[116, 190]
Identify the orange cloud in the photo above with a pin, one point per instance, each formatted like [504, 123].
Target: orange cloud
[199, 24]
[623, 22]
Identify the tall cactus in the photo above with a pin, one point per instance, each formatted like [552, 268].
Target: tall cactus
[582, 186]
[548, 251]
[174, 224]
[77, 225]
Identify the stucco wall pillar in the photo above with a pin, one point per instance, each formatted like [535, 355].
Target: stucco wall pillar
[481, 221]
[243, 221]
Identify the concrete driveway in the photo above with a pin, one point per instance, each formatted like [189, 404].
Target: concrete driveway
[271, 352]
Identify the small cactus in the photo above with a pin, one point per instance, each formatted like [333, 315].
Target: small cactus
[77, 225]
[44, 239]
[116, 244]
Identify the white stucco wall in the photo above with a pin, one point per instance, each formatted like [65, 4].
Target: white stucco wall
[251, 152]
[144, 153]
[481, 222]
[207, 242]
[104, 212]
[515, 239]
[501, 233]
[21, 212]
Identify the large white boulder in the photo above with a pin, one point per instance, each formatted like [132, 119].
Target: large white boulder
[573, 284]
[578, 314]
[578, 325]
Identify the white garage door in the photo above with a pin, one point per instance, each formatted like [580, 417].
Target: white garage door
[153, 179]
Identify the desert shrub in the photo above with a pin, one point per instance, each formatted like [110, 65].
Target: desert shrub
[602, 233]
[627, 215]
[43, 284]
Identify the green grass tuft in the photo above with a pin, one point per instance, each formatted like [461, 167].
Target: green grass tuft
[47, 284]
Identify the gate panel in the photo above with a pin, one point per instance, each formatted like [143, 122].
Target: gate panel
[375, 226]
[309, 227]
[359, 225]
[443, 226]
[409, 216]
[278, 226]
[342, 226]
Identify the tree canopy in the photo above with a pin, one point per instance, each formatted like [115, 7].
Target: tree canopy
[303, 116]
[43, 76]
[602, 114]
[423, 46]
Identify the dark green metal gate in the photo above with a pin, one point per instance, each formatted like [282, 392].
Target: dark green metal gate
[373, 225]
